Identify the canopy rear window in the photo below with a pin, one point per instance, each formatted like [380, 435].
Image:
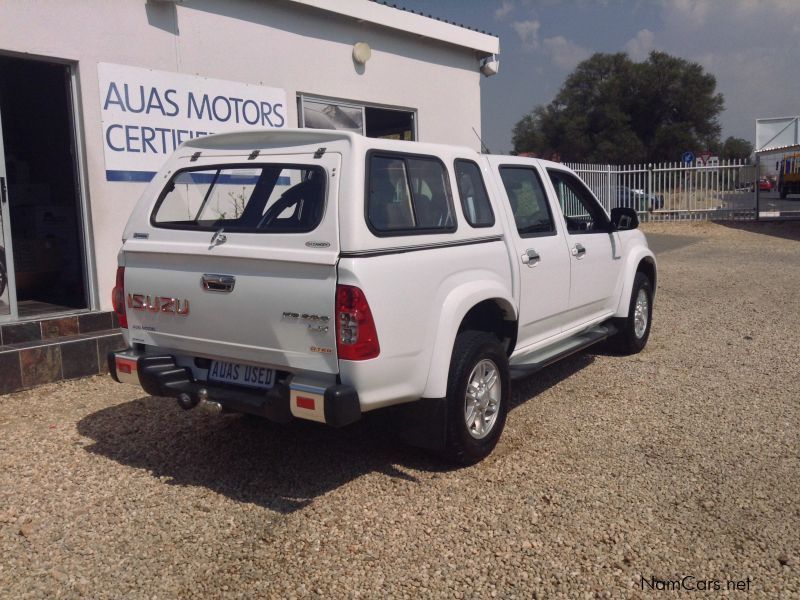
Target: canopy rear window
[268, 198]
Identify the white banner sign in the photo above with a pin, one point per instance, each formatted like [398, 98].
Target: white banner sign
[146, 114]
[777, 133]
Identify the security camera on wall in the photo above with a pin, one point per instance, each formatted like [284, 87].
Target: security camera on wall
[490, 65]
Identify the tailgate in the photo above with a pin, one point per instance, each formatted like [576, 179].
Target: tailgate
[239, 263]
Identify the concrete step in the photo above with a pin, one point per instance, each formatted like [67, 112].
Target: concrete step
[61, 353]
[31, 330]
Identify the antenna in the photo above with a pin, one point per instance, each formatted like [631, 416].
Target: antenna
[484, 146]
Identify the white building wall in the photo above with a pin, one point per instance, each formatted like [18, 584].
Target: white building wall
[274, 43]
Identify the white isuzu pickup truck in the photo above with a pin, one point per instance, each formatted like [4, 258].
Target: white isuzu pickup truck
[320, 275]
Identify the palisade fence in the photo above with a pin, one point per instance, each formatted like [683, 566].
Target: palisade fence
[674, 191]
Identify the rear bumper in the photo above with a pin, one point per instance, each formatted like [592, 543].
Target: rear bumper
[336, 405]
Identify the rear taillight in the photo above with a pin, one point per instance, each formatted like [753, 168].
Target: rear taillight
[356, 337]
[118, 298]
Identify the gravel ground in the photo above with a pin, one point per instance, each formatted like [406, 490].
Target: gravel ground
[681, 461]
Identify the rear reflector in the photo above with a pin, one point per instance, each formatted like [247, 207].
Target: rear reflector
[307, 403]
[126, 369]
[125, 365]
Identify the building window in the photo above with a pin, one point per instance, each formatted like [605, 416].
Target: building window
[368, 120]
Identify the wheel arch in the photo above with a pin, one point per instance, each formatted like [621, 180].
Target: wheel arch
[648, 266]
[643, 261]
[493, 315]
[474, 306]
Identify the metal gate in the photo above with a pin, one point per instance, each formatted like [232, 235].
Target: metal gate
[675, 191]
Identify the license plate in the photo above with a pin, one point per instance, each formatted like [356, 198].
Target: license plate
[247, 375]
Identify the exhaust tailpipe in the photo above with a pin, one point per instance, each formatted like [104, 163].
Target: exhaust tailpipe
[186, 402]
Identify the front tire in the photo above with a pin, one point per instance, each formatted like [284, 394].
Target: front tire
[478, 389]
[634, 330]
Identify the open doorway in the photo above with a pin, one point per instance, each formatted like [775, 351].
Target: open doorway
[43, 200]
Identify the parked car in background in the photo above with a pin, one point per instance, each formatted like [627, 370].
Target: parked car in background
[764, 185]
[638, 199]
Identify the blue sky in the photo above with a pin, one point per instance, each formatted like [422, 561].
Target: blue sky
[752, 47]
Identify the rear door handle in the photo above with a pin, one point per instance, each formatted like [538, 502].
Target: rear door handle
[531, 258]
[3, 196]
[218, 283]
[578, 251]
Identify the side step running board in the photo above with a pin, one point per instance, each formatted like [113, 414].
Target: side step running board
[528, 363]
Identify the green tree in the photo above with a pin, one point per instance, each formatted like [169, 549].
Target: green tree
[734, 147]
[613, 110]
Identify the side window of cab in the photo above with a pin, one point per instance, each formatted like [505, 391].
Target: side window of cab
[472, 192]
[528, 201]
[408, 195]
[582, 212]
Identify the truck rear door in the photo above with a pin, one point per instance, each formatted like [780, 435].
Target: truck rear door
[540, 255]
[238, 262]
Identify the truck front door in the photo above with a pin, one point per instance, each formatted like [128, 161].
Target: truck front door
[595, 255]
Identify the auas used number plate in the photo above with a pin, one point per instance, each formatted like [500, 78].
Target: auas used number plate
[225, 372]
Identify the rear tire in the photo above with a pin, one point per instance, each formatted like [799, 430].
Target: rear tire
[478, 389]
[634, 330]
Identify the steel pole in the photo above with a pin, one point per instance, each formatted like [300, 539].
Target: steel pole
[756, 179]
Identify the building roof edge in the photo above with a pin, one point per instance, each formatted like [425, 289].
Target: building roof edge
[412, 23]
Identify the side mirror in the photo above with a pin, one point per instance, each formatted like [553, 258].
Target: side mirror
[623, 219]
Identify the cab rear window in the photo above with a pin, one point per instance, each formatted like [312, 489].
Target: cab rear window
[264, 198]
